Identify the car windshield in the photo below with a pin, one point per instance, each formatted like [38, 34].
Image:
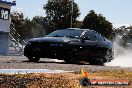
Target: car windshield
[69, 33]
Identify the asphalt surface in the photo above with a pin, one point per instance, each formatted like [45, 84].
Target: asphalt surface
[21, 62]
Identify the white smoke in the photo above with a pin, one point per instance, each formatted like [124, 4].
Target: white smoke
[122, 55]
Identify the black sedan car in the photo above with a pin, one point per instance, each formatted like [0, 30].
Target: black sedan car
[71, 45]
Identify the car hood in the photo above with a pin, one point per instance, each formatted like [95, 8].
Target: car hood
[53, 39]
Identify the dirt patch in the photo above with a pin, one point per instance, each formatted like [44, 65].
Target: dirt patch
[60, 80]
[39, 80]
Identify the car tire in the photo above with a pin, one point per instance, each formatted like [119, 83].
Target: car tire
[33, 59]
[98, 62]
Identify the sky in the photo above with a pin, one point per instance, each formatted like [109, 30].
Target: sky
[118, 12]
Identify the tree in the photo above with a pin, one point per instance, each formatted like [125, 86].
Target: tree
[98, 23]
[59, 14]
[77, 24]
[125, 35]
[22, 26]
[38, 30]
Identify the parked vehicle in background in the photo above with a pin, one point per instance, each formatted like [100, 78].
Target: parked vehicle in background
[71, 45]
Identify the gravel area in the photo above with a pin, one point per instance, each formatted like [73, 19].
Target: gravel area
[21, 62]
[59, 80]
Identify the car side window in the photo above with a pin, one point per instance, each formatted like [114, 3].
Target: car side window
[99, 37]
[89, 35]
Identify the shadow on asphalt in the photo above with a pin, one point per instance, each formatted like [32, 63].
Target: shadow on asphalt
[80, 63]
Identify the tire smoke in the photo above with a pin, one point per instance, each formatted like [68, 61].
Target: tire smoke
[122, 55]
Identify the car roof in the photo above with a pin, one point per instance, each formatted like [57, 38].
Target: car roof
[89, 30]
[78, 29]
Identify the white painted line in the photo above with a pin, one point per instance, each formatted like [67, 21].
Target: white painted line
[25, 71]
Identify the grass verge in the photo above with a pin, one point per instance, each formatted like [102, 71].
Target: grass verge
[59, 80]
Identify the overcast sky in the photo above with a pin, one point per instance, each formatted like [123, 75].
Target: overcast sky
[118, 12]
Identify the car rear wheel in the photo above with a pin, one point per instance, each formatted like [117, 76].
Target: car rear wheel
[33, 59]
[97, 62]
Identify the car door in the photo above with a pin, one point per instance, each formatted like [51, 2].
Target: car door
[89, 44]
[102, 44]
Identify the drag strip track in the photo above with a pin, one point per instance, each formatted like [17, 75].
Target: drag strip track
[21, 62]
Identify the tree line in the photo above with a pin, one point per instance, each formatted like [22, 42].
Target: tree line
[58, 16]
